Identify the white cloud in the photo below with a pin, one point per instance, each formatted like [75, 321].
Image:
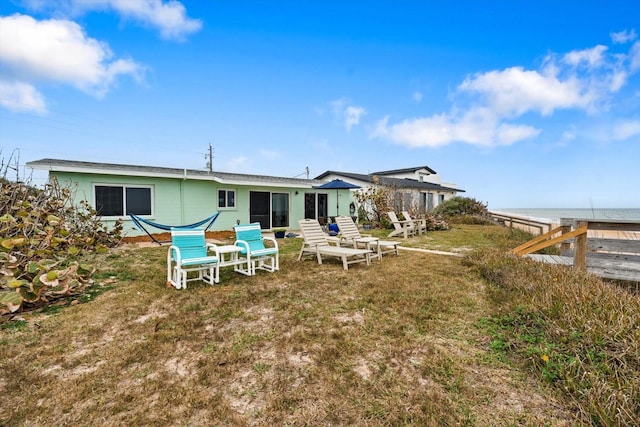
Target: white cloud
[169, 18]
[593, 57]
[58, 51]
[634, 57]
[507, 134]
[568, 136]
[476, 127]
[350, 115]
[624, 36]
[338, 105]
[21, 97]
[488, 104]
[626, 130]
[515, 91]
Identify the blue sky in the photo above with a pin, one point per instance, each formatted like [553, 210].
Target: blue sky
[520, 103]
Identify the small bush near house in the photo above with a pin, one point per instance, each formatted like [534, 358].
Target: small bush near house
[472, 220]
[436, 222]
[43, 239]
[462, 207]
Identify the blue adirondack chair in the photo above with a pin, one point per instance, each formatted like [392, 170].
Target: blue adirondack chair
[189, 252]
[251, 241]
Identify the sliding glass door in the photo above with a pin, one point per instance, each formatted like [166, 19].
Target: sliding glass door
[271, 210]
[316, 205]
[260, 208]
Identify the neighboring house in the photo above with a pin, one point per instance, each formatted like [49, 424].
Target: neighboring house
[419, 189]
[174, 196]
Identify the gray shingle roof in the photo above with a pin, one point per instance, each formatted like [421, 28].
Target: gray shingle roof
[391, 182]
[404, 170]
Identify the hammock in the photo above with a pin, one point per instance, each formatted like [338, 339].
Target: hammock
[139, 222]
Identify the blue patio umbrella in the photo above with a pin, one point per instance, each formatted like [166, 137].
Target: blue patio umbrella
[337, 184]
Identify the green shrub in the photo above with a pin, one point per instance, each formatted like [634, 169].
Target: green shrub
[462, 206]
[471, 220]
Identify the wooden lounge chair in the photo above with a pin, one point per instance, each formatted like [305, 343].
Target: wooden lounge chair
[350, 235]
[404, 228]
[316, 243]
[251, 241]
[188, 253]
[419, 224]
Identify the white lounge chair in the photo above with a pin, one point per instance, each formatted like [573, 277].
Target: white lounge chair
[404, 228]
[350, 235]
[419, 224]
[316, 243]
[188, 253]
[251, 241]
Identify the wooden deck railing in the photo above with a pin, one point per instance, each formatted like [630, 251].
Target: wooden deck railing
[610, 249]
[526, 224]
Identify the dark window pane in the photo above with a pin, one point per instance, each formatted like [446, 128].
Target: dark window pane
[279, 210]
[310, 205]
[231, 199]
[222, 200]
[323, 205]
[138, 201]
[109, 201]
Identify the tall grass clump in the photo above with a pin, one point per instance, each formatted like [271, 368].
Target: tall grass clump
[574, 330]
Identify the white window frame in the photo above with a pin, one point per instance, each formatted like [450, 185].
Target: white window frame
[124, 197]
[226, 191]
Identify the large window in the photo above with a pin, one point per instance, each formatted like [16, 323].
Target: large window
[226, 199]
[121, 200]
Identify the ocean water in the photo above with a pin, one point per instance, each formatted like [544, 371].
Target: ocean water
[554, 215]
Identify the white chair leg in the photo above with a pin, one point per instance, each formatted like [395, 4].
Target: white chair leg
[176, 279]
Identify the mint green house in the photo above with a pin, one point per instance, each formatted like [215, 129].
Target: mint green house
[174, 196]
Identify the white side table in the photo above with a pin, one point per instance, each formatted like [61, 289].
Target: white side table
[229, 257]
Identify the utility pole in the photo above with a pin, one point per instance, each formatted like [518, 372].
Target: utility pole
[210, 157]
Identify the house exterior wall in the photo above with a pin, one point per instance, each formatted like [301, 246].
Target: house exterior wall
[179, 201]
[411, 200]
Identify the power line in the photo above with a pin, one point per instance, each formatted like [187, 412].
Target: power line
[306, 172]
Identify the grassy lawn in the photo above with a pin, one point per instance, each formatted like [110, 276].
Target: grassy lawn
[399, 342]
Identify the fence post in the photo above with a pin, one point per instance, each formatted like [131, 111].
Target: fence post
[565, 227]
[580, 257]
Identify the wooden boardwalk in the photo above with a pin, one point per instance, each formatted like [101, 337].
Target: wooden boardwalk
[605, 268]
[551, 259]
[609, 249]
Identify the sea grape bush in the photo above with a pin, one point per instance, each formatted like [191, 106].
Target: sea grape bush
[462, 206]
[43, 237]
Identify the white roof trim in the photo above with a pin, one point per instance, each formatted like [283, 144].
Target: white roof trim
[75, 169]
[259, 183]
